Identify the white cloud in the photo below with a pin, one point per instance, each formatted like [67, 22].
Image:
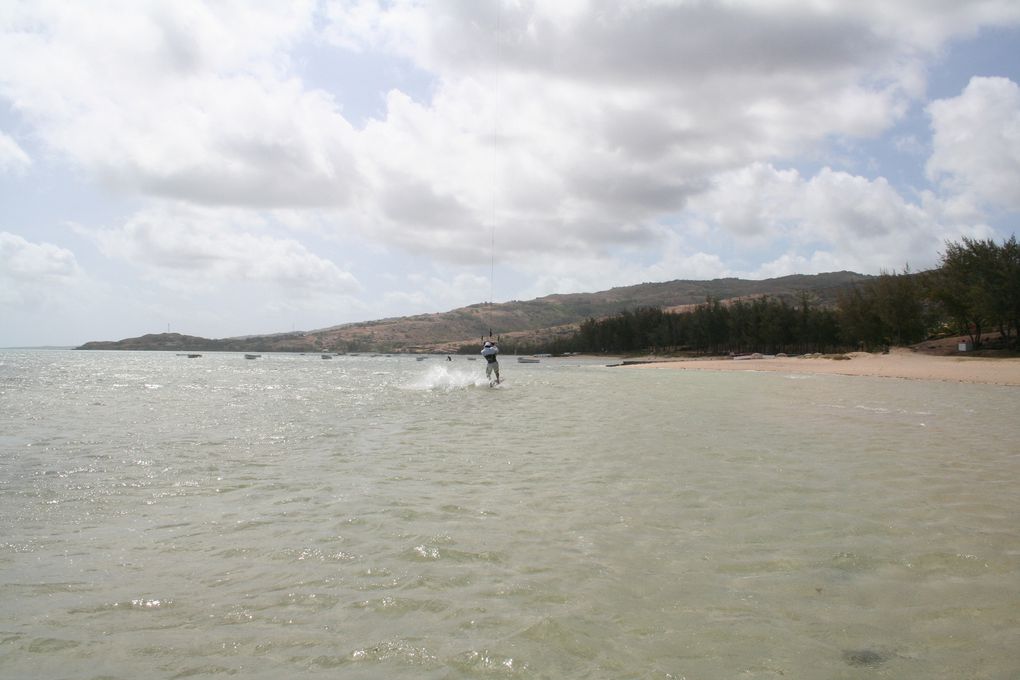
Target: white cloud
[976, 156]
[572, 129]
[187, 100]
[439, 291]
[30, 272]
[187, 247]
[792, 263]
[849, 209]
[673, 257]
[578, 125]
[753, 201]
[13, 158]
[831, 221]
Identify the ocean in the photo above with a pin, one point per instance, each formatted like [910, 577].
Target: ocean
[382, 517]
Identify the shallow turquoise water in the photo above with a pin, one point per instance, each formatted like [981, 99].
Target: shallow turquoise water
[386, 518]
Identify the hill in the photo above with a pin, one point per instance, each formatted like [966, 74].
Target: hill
[532, 320]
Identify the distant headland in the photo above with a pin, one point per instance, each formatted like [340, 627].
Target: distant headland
[291, 342]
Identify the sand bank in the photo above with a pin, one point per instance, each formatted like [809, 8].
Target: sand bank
[899, 363]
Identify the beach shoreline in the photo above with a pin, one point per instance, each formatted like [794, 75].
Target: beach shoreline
[897, 363]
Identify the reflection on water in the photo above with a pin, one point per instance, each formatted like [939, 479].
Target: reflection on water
[382, 517]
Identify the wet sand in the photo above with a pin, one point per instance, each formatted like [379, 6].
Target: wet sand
[898, 363]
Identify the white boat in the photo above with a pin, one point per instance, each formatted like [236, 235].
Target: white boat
[527, 360]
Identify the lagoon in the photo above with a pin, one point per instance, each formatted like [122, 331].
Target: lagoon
[374, 517]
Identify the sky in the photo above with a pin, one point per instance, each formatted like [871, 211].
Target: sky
[234, 167]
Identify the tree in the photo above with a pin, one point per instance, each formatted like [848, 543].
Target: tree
[889, 310]
[1007, 307]
[899, 305]
[859, 322]
[977, 286]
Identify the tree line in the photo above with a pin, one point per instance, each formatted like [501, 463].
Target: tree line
[974, 291]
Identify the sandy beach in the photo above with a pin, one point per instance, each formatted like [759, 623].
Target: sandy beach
[898, 363]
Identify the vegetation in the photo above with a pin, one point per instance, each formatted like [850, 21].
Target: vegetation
[764, 324]
[975, 289]
[978, 287]
[894, 309]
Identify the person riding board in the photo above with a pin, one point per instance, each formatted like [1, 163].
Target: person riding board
[491, 365]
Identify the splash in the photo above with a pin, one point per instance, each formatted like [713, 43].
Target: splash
[443, 377]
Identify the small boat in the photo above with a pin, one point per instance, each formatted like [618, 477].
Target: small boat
[527, 360]
[194, 356]
[327, 356]
[252, 356]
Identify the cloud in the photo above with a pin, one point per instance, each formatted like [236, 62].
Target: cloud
[34, 272]
[442, 290]
[13, 158]
[186, 247]
[186, 100]
[578, 125]
[595, 143]
[572, 129]
[976, 156]
[671, 256]
[830, 221]
[793, 263]
[752, 201]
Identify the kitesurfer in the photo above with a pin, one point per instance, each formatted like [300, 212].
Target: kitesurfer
[491, 365]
